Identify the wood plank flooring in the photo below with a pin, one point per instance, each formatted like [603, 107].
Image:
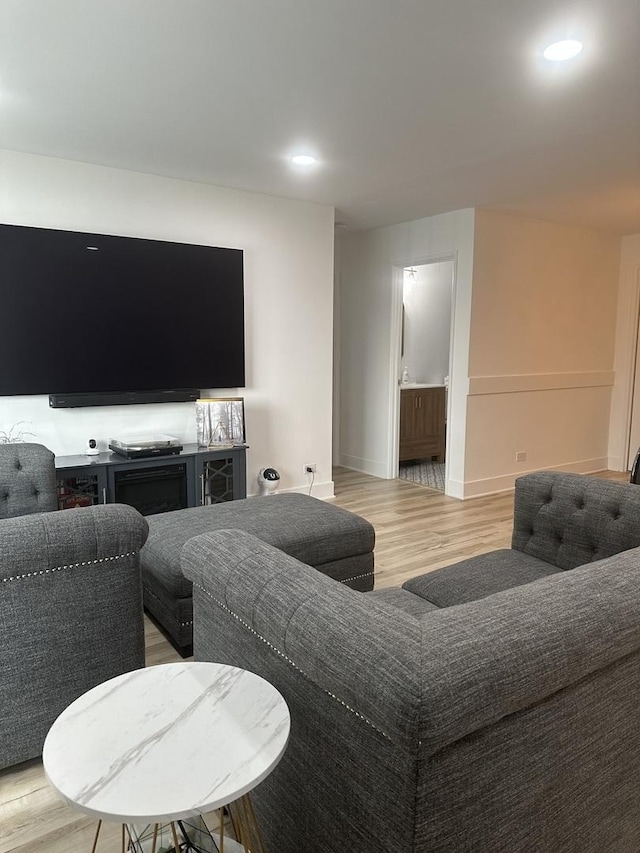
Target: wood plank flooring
[417, 530]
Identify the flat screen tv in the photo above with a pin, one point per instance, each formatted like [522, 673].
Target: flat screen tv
[89, 314]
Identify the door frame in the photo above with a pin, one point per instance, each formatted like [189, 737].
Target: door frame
[397, 284]
[633, 375]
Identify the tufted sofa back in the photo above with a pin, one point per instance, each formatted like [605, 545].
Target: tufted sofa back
[27, 480]
[570, 519]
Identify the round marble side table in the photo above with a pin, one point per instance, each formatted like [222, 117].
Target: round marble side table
[156, 748]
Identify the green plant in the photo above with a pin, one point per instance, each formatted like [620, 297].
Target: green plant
[15, 435]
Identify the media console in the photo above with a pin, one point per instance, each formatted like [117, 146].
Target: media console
[193, 477]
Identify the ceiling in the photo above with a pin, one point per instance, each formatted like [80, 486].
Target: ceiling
[413, 107]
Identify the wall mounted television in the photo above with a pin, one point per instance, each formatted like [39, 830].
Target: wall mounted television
[92, 319]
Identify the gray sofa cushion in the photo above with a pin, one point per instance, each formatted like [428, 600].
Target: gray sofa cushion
[478, 577]
[402, 600]
[570, 520]
[308, 529]
[27, 480]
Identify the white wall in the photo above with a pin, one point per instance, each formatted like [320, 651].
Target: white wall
[371, 299]
[541, 351]
[625, 353]
[426, 297]
[533, 344]
[288, 256]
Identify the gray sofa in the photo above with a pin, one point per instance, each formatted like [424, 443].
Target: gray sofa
[27, 479]
[491, 707]
[71, 614]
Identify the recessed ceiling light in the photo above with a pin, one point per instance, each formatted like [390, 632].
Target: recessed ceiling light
[559, 51]
[92, 248]
[303, 160]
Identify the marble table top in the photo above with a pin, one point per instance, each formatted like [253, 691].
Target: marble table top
[167, 742]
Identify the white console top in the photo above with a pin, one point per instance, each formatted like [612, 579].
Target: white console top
[415, 385]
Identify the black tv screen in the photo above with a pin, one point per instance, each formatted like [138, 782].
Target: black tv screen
[87, 313]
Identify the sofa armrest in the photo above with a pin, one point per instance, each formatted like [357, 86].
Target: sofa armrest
[347, 667]
[496, 656]
[70, 614]
[513, 650]
[529, 730]
[344, 642]
[46, 542]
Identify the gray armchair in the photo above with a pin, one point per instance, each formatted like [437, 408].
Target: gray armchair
[70, 613]
[27, 480]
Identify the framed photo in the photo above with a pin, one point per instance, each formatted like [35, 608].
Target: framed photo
[220, 422]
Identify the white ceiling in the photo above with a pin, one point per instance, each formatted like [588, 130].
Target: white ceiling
[414, 107]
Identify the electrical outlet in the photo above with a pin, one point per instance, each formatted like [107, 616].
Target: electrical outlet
[310, 468]
[521, 455]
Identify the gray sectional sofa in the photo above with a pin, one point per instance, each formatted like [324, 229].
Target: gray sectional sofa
[490, 707]
[71, 610]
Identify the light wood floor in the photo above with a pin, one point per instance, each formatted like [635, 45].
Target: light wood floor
[417, 529]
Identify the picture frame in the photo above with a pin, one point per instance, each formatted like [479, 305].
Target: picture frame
[220, 422]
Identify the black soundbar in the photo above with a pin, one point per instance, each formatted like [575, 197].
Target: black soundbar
[123, 398]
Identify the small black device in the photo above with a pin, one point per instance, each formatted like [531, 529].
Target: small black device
[141, 447]
[145, 452]
[268, 480]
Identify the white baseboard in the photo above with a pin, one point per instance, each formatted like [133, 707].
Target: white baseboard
[364, 466]
[616, 463]
[506, 482]
[323, 491]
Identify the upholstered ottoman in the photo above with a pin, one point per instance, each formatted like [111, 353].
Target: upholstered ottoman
[333, 540]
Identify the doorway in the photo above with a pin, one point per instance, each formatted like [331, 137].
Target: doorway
[425, 358]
